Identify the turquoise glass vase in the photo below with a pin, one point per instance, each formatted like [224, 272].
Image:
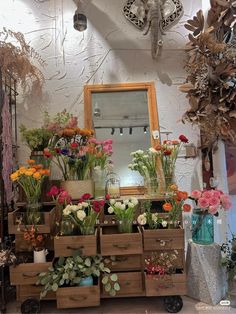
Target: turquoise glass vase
[202, 228]
[86, 281]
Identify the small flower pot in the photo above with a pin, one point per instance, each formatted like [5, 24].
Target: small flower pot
[87, 281]
[40, 256]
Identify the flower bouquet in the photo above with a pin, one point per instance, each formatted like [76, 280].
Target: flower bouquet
[85, 213]
[151, 220]
[168, 152]
[146, 164]
[124, 213]
[208, 203]
[31, 178]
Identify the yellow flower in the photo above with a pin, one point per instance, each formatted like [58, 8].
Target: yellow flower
[28, 173]
[22, 170]
[37, 175]
[32, 169]
[14, 176]
[174, 187]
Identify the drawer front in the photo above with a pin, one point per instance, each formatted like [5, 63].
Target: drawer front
[73, 297]
[24, 292]
[177, 260]
[130, 283]
[121, 244]
[27, 274]
[171, 285]
[126, 262]
[163, 239]
[67, 245]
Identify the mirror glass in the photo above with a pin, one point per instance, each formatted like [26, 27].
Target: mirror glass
[127, 114]
[123, 117]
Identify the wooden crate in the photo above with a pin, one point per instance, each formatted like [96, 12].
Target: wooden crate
[161, 239]
[126, 263]
[66, 245]
[48, 226]
[114, 243]
[24, 292]
[168, 285]
[27, 273]
[73, 297]
[131, 284]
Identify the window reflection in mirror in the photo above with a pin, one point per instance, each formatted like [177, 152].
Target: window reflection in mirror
[123, 117]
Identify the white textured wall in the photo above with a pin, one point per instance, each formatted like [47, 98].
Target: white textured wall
[111, 50]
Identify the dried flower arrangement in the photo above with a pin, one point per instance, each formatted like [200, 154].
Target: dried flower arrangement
[16, 60]
[210, 84]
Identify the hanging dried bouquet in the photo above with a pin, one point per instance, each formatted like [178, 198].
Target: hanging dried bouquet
[211, 69]
[15, 60]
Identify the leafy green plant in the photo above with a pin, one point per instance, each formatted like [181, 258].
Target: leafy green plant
[36, 138]
[68, 271]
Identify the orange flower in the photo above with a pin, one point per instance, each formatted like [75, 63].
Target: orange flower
[167, 207]
[174, 187]
[39, 238]
[186, 208]
[158, 147]
[38, 166]
[182, 195]
[37, 175]
[175, 142]
[30, 161]
[69, 132]
[26, 236]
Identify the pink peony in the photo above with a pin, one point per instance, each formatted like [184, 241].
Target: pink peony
[214, 201]
[213, 209]
[216, 193]
[196, 194]
[226, 205]
[203, 202]
[225, 198]
[207, 194]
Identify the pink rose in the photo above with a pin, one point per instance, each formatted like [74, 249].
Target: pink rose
[54, 191]
[107, 142]
[213, 209]
[226, 205]
[207, 194]
[92, 140]
[214, 201]
[225, 198]
[64, 197]
[196, 194]
[215, 193]
[203, 202]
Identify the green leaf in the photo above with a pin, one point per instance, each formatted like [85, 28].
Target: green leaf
[77, 280]
[114, 277]
[54, 287]
[105, 280]
[112, 292]
[107, 270]
[116, 287]
[65, 276]
[61, 261]
[107, 287]
[87, 262]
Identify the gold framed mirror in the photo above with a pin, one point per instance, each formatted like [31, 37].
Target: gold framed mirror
[126, 113]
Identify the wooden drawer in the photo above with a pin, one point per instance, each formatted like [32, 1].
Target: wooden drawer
[177, 263]
[66, 245]
[48, 217]
[163, 239]
[24, 292]
[21, 245]
[168, 285]
[27, 274]
[114, 243]
[73, 297]
[130, 284]
[126, 262]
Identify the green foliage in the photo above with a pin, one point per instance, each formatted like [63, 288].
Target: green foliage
[36, 139]
[70, 270]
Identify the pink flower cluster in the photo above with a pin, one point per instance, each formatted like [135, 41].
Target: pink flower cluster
[105, 146]
[211, 200]
[59, 195]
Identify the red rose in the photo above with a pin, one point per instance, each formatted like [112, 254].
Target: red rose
[96, 206]
[74, 145]
[167, 152]
[54, 191]
[107, 197]
[47, 153]
[183, 138]
[86, 196]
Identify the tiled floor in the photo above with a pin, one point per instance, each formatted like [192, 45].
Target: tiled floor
[131, 306]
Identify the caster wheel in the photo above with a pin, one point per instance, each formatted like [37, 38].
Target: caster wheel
[173, 304]
[30, 306]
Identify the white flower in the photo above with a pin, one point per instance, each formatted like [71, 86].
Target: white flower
[152, 150]
[145, 156]
[142, 220]
[67, 210]
[131, 205]
[140, 152]
[164, 223]
[112, 202]
[84, 204]
[126, 201]
[81, 215]
[134, 200]
[110, 210]
[132, 153]
[122, 206]
[74, 208]
[154, 217]
[118, 205]
[80, 206]
[130, 166]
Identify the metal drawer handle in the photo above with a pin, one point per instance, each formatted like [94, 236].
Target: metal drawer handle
[122, 246]
[30, 275]
[75, 248]
[165, 286]
[127, 283]
[78, 298]
[164, 242]
[121, 259]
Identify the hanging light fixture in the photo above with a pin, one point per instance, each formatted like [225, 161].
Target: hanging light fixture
[145, 129]
[112, 131]
[130, 130]
[80, 20]
[121, 131]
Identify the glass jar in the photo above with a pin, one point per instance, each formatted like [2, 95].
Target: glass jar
[99, 178]
[68, 227]
[33, 214]
[151, 187]
[86, 230]
[113, 185]
[125, 226]
[202, 227]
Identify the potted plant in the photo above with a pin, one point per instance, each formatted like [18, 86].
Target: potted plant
[67, 277]
[70, 150]
[30, 178]
[208, 203]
